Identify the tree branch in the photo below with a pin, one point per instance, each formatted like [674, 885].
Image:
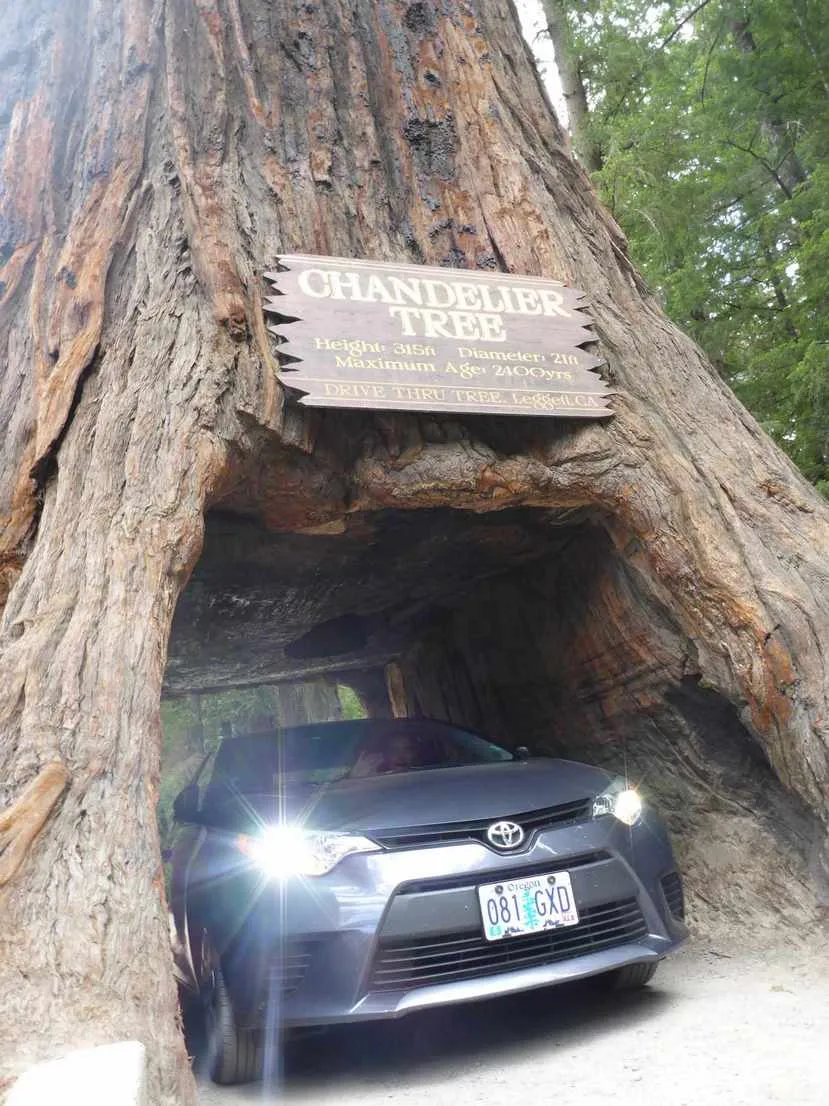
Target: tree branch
[769, 168]
[665, 42]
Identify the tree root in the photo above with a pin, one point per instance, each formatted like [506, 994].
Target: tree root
[24, 819]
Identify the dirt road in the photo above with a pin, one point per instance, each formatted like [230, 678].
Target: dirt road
[713, 1029]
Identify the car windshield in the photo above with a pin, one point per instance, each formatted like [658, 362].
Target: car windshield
[315, 755]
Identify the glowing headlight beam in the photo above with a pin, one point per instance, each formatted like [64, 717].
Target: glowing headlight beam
[628, 808]
[283, 851]
[623, 802]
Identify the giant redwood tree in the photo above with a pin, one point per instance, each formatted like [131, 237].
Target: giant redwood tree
[157, 157]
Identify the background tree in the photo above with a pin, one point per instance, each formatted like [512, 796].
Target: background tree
[157, 156]
[708, 135]
[192, 726]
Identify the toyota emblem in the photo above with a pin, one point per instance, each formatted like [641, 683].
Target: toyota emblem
[505, 835]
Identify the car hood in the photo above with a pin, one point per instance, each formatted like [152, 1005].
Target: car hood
[428, 797]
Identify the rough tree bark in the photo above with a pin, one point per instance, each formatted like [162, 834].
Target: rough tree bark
[156, 157]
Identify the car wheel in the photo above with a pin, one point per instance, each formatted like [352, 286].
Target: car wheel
[634, 976]
[232, 1053]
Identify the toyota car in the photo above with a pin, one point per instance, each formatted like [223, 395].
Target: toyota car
[350, 871]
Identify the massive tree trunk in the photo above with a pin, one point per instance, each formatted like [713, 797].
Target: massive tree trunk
[156, 158]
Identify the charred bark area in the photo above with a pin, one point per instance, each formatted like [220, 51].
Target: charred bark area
[156, 157]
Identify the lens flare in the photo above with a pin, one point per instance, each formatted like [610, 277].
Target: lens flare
[628, 807]
[283, 851]
[623, 802]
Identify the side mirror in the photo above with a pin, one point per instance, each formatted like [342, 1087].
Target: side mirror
[186, 804]
[522, 753]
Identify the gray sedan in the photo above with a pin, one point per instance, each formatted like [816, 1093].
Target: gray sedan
[350, 871]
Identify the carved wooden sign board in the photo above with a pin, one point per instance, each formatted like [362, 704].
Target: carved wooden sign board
[372, 334]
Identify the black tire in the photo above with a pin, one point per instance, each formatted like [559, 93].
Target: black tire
[232, 1054]
[634, 976]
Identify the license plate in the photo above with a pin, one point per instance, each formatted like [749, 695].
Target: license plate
[532, 905]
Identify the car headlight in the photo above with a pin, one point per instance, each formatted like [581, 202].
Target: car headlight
[621, 801]
[283, 851]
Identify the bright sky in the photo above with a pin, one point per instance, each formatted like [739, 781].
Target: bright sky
[532, 20]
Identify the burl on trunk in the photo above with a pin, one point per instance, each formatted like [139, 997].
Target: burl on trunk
[156, 158]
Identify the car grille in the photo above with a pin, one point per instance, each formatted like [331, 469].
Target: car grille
[674, 897]
[495, 875]
[404, 965]
[448, 832]
[273, 981]
[286, 970]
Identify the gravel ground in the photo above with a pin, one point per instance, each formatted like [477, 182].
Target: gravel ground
[714, 1027]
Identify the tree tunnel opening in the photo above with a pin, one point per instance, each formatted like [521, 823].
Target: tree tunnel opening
[526, 624]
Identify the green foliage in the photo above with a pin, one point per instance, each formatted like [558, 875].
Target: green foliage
[191, 728]
[350, 703]
[713, 121]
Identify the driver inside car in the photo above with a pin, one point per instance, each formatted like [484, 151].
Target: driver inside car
[396, 755]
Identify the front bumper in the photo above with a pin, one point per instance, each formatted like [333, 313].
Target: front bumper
[391, 932]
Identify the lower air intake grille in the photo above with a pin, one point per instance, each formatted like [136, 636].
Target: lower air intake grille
[270, 980]
[672, 890]
[286, 970]
[403, 965]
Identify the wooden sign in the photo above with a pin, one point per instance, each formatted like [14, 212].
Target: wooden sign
[372, 334]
